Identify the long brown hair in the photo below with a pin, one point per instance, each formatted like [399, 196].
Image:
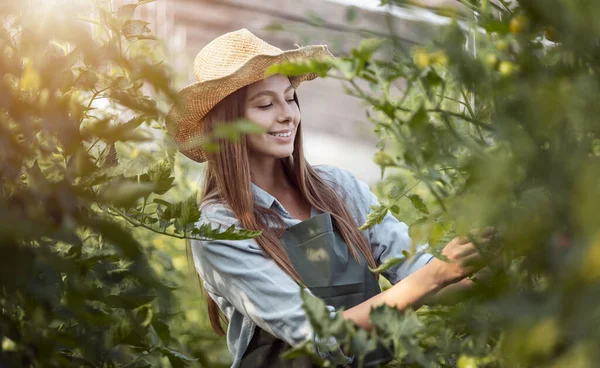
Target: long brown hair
[230, 165]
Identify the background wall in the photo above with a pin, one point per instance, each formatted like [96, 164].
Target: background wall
[336, 128]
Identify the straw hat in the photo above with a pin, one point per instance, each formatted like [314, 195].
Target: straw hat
[226, 64]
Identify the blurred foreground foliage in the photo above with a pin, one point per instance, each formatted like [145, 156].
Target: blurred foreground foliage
[495, 122]
[92, 265]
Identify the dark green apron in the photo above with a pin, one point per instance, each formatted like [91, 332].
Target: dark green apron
[321, 257]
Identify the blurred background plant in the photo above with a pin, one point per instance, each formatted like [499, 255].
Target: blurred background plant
[92, 259]
[492, 123]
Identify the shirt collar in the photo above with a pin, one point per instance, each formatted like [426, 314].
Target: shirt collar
[262, 197]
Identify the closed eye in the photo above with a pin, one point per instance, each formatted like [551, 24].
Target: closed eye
[264, 107]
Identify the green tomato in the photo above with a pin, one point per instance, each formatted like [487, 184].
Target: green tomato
[506, 68]
[491, 60]
[502, 45]
[518, 24]
[383, 159]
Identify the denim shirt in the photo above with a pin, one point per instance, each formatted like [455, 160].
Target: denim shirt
[251, 290]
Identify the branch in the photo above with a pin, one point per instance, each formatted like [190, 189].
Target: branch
[137, 223]
[464, 117]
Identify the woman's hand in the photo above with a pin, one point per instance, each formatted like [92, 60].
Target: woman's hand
[464, 258]
[416, 288]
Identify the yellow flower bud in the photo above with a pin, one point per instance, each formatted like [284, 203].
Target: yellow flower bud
[30, 78]
[440, 58]
[506, 68]
[422, 59]
[491, 60]
[518, 24]
[502, 45]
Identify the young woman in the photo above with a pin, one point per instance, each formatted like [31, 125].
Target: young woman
[309, 216]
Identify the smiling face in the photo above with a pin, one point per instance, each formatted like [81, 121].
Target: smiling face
[270, 104]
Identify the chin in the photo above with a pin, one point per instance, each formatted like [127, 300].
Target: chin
[284, 154]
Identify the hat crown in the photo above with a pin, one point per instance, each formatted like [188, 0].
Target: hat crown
[227, 53]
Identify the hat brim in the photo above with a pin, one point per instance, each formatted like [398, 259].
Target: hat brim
[196, 100]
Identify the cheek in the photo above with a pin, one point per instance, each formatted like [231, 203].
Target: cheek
[261, 118]
[296, 110]
[254, 141]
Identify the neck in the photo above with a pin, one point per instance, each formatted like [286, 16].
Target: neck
[268, 175]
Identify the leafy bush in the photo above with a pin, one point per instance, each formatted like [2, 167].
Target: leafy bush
[501, 133]
[82, 163]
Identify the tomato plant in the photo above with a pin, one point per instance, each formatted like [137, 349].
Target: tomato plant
[502, 133]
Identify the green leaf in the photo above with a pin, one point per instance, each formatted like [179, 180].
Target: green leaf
[397, 190]
[248, 127]
[436, 233]
[362, 344]
[36, 178]
[112, 158]
[87, 78]
[126, 11]
[322, 323]
[161, 201]
[419, 230]
[162, 330]
[190, 213]
[316, 311]
[387, 264]
[126, 301]
[375, 217]
[316, 19]
[172, 211]
[367, 47]
[274, 27]
[176, 358]
[130, 99]
[135, 27]
[394, 324]
[207, 232]
[346, 67]
[418, 203]
[140, 362]
[307, 347]
[351, 14]
[126, 132]
[124, 193]
[431, 79]
[418, 119]
[116, 235]
[160, 176]
[384, 159]
[292, 68]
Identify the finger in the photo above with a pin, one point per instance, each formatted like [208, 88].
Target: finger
[466, 249]
[484, 232]
[461, 240]
[483, 239]
[473, 262]
[488, 231]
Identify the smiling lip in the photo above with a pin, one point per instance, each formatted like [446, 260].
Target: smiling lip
[283, 139]
[281, 131]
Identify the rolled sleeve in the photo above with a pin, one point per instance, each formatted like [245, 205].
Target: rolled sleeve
[388, 239]
[255, 286]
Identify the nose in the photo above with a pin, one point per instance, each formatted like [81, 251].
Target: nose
[286, 114]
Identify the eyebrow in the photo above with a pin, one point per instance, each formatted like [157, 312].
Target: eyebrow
[269, 93]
